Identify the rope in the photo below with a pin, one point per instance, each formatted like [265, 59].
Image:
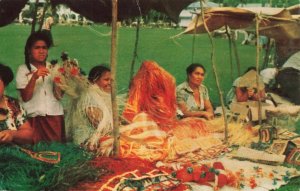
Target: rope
[98, 33]
[238, 64]
[230, 52]
[137, 35]
[139, 7]
[135, 55]
[194, 38]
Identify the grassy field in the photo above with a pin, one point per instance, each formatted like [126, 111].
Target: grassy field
[91, 46]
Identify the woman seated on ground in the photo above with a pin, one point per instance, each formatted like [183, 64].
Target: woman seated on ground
[245, 89]
[14, 128]
[154, 132]
[92, 117]
[192, 95]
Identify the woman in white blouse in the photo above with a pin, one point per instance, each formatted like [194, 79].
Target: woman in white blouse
[38, 94]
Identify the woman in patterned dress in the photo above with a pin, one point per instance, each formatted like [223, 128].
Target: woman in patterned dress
[192, 95]
[14, 126]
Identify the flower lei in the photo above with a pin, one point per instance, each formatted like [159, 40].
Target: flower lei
[69, 79]
[217, 176]
[211, 175]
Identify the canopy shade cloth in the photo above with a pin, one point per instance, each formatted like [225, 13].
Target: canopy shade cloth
[294, 10]
[277, 23]
[9, 10]
[100, 10]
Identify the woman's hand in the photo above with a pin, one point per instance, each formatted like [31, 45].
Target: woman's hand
[208, 115]
[27, 92]
[43, 71]
[6, 136]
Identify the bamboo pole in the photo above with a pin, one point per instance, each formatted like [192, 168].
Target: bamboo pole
[113, 66]
[34, 16]
[216, 74]
[257, 20]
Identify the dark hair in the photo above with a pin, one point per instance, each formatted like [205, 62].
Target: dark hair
[6, 74]
[191, 68]
[36, 36]
[97, 71]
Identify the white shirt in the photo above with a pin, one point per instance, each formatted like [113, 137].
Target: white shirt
[43, 101]
[268, 75]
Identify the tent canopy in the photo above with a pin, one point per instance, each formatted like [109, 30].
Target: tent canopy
[100, 10]
[277, 23]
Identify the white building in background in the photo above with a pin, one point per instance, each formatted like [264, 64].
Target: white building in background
[188, 13]
[65, 14]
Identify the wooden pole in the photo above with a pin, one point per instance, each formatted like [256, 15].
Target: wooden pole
[216, 74]
[113, 66]
[34, 16]
[257, 68]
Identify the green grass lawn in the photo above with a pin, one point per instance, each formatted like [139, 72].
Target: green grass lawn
[91, 46]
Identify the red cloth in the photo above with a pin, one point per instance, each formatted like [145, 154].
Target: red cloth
[48, 128]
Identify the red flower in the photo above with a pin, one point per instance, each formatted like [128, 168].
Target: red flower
[252, 182]
[203, 174]
[61, 70]
[74, 71]
[199, 175]
[222, 180]
[218, 165]
[185, 174]
[57, 80]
